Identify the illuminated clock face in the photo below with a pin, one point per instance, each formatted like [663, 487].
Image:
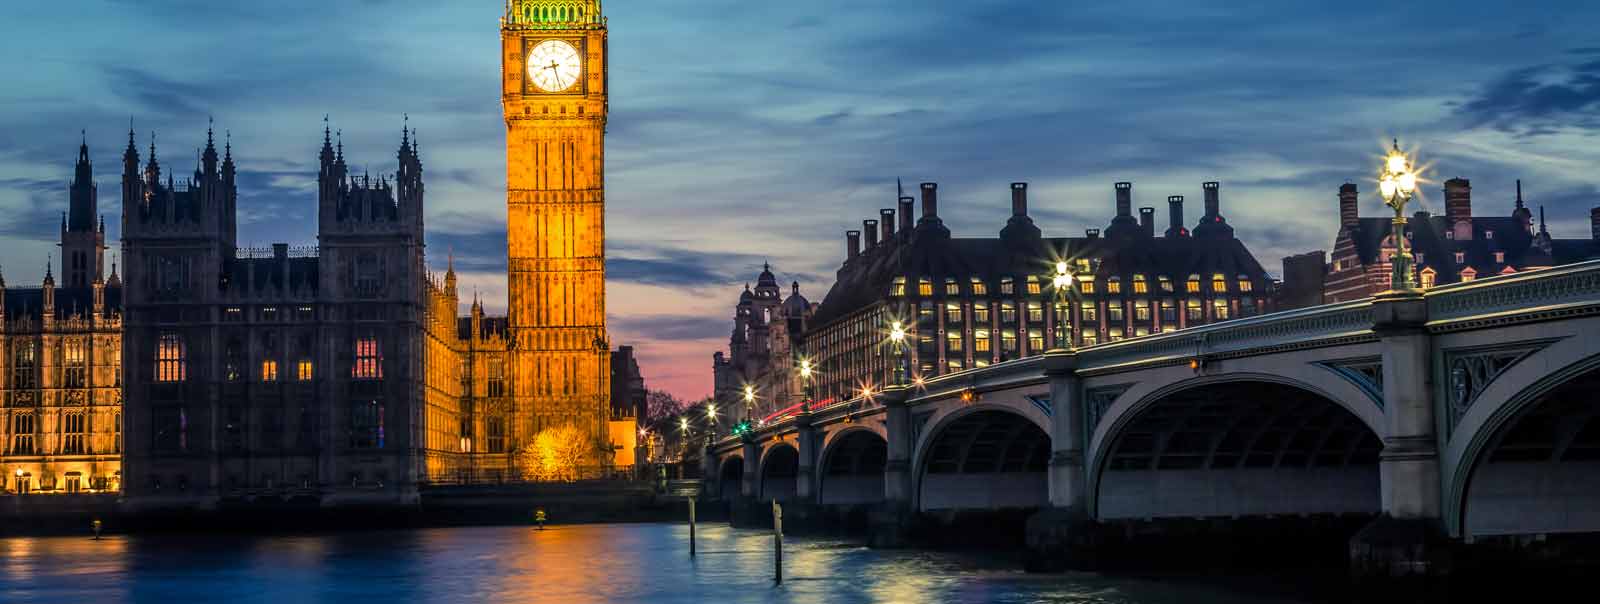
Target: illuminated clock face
[554, 65]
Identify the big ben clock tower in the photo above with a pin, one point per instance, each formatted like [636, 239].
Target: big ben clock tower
[553, 76]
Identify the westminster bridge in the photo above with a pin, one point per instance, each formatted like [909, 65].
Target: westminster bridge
[1457, 413]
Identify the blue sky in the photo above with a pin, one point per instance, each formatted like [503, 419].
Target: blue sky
[745, 131]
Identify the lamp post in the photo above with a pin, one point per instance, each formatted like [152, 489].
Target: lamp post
[897, 340]
[1062, 283]
[805, 385]
[1397, 181]
[749, 401]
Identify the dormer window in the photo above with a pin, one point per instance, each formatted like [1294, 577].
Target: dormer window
[1429, 276]
[951, 288]
[1008, 286]
[979, 288]
[1488, 234]
[1450, 235]
[1500, 257]
[1461, 257]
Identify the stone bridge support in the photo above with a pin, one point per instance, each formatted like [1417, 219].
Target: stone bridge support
[1407, 538]
[1063, 532]
[890, 523]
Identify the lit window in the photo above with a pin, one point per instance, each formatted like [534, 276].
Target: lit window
[497, 378]
[1086, 312]
[1008, 313]
[1114, 285]
[1194, 284]
[1500, 257]
[22, 429]
[269, 371]
[1033, 285]
[1195, 313]
[75, 372]
[979, 288]
[25, 370]
[1086, 284]
[1035, 312]
[1468, 274]
[1461, 257]
[303, 370]
[74, 431]
[1169, 312]
[899, 287]
[980, 313]
[1429, 277]
[1450, 235]
[1008, 286]
[953, 341]
[980, 340]
[1166, 284]
[951, 288]
[1008, 340]
[1035, 340]
[1114, 312]
[369, 360]
[1139, 285]
[1488, 234]
[1219, 309]
[924, 286]
[1091, 337]
[1083, 265]
[1244, 284]
[1219, 284]
[1114, 334]
[171, 361]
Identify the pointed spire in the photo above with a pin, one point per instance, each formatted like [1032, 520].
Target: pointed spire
[227, 148]
[405, 131]
[211, 124]
[63, 221]
[102, 223]
[1543, 231]
[339, 135]
[1519, 193]
[49, 277]
[83, 147]
[2, 283]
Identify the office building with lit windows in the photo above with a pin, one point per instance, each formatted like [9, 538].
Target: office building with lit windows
[973, 302]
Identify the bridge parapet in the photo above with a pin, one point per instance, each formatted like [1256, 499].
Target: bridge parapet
[1309, 327]
[1535, 295]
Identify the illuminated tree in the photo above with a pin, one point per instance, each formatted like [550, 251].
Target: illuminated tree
[554, 455]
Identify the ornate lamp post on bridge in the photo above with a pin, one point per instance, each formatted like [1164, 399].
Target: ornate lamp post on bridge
[1397, 181]
[805, 384]
[1061, 282]
[897, 340]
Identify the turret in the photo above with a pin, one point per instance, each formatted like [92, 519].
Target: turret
[408, 180]
[82, 243]
[1349, 206]
[1521, 215]
[49, 294]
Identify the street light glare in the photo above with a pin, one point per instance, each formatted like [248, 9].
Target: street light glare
[1397, 162]
[1061, 267]
[1408, 183]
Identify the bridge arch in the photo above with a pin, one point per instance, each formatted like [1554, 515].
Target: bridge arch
[730, 477]
[780, 468]
[1234, 445]
[1525, 458]
[983, 457]
[852, 465]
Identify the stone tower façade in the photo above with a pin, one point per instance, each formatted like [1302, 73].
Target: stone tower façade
[553, 75]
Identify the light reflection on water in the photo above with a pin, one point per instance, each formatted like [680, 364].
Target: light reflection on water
[566, 564]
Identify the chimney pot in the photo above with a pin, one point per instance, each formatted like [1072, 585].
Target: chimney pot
[907, 215]
[1213, 204]
[1019, 199]
[886, 221]
[1124, 198]
[1349, 214]
[1175, 226]
[870, 229]
[1458, 207]
[930, 201]
[1594, 223]
[1147, 221]
[852, 246]
[1091, 233]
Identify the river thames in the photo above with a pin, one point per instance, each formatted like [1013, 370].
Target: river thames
[567, 564]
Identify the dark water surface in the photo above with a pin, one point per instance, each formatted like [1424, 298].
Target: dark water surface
[585, 563]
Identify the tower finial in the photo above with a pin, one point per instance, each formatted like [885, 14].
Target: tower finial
[1542, 229]
[1519, 192]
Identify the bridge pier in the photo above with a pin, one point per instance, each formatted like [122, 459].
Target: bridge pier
[1062, 535]
[1407, 539]
[806, 476]
[750, 483]
[889, 524]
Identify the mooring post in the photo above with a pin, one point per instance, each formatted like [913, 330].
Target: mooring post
[691, 526]
[777, 542]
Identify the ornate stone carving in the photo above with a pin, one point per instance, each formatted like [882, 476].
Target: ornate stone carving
[1365, 373]
[1469, 371]
[1096, 401]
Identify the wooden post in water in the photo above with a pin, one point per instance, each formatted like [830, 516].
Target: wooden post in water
[691, 526]
[777, 542]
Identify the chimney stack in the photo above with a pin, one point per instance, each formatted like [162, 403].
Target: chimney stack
[870, 228]
[1458, 207]
[1594, 223]
[930, 202]
[1213, 204]
[1019, 199]
[1175, 226]
[907, 214]
[1091, 233]
[852, 246]
[886, 221]
[1147, 221]
[1124, 199]
[1349, 215]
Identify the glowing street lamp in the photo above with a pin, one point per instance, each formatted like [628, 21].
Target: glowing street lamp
[711, 412]
[1062, 283]
[1397, 181]
[749, 401]
[805, 380]
[897, 339]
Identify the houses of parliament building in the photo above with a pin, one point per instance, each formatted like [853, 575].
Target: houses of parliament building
[206, 373]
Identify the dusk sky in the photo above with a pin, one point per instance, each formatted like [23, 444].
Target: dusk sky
[748, 131]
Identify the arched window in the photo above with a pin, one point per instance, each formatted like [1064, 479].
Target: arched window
[171, 358]
[1219, 284]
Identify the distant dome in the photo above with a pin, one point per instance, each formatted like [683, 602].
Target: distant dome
[746, 296]
[796, 304]
[766, 278]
